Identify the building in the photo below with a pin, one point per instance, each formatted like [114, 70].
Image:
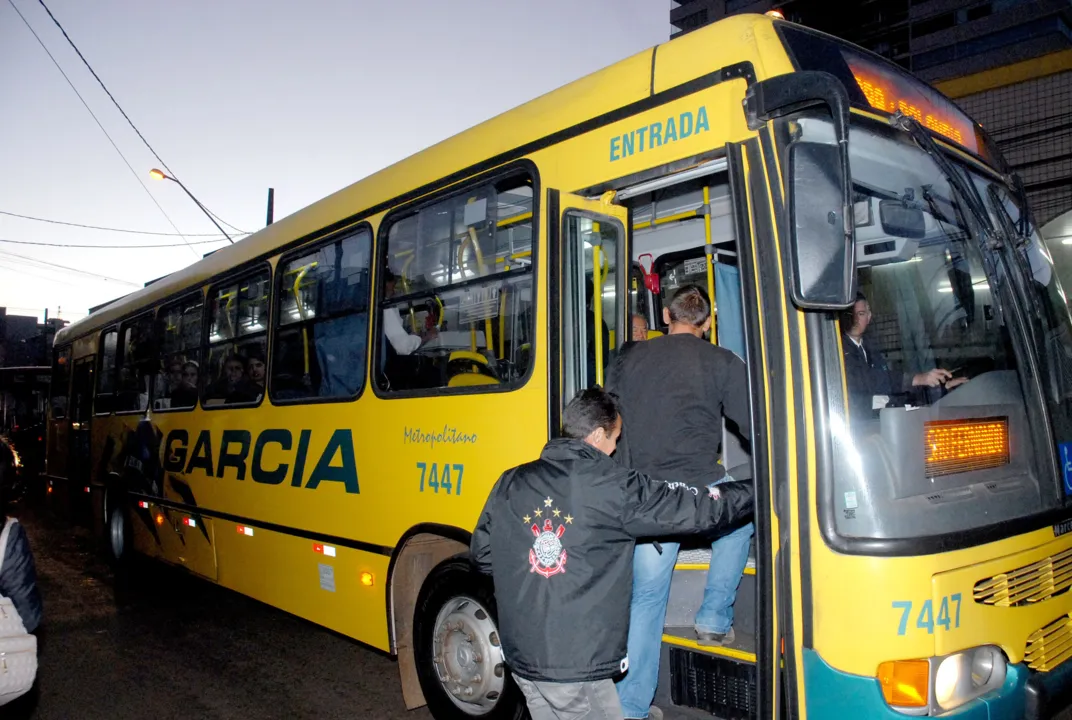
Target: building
[24, 341]
[1008, 63]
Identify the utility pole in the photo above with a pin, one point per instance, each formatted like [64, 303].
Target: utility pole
[271, 206]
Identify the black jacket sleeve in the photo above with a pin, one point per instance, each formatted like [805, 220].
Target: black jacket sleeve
[651, 508]
[18, 578]
[480, 545]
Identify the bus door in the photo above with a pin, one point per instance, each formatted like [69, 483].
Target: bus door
[58, 427]
[79, 420]
[588, 291]
[781, 425]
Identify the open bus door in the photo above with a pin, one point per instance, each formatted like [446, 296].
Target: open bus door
[588, 290]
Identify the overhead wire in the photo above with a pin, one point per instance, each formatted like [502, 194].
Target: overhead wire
[136, 175]
[112, 229]
[78, 271]
[109, 247]
[120, 108]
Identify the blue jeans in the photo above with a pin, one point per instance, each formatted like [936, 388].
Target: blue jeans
[652, 573]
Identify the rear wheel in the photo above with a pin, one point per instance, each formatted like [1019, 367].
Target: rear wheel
[458, 652]
[116, 529]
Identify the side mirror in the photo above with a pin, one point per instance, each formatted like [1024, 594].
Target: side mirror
[901, 221]
[820, 203]
[822, 260]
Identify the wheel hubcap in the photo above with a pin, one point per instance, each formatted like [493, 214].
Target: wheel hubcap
[468, 656]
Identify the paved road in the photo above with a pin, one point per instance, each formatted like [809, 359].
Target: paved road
[172, 646]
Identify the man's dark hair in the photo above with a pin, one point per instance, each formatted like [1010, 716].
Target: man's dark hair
[589, 409]
[690, 306]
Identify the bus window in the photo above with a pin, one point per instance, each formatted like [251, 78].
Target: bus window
[106, 372]
[61, 381]
[136, 365]
[179, 328]
[236, 366]
[322, 322]
[457, 291]
[593, 251]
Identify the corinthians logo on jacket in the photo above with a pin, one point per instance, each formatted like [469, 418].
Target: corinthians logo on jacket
[547, 557]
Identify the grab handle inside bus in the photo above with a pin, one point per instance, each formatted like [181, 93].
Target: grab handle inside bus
[822, 247]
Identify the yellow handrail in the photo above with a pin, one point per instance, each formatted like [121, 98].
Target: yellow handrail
[296, 289]
[597, 302]
[710, 260]
[502, 324]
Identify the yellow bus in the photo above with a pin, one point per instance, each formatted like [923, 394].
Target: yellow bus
[313, 416]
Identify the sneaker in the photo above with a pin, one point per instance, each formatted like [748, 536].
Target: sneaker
[715, 639]
[655, 713]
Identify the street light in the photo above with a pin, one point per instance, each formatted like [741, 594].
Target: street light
[156, 174]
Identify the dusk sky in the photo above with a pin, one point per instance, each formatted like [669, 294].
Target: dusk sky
[241, 95]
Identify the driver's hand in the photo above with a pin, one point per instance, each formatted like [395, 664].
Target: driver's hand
[932, 378]
[950, 384]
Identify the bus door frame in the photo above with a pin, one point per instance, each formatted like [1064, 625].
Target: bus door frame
[781, 425]
[562, 379]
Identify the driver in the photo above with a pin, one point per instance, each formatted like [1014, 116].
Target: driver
[401, 341]
[867, 374]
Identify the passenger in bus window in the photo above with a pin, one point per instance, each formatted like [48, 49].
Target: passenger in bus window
[675, 392]
[232, 386]
[557, 537]
[870, 382]
[256, 366]
[185, 395]
[402, 342]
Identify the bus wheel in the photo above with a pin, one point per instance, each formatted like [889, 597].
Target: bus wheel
[456, 642]
[116, 529]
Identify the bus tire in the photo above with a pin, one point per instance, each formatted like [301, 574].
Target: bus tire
[456, 645]
[116, 528]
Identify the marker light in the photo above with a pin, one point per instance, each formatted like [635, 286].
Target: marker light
[327, 550]
[143, 505]
[245, 530]
[776, 14]
[367, 579]
[189, 522]
[50, 489]
[159, 519]
[87, 488]
[956, 446]
[905, 683]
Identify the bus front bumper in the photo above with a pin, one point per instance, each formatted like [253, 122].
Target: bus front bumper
[835, 695]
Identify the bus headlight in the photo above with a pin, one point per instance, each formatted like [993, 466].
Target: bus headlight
[966, 675]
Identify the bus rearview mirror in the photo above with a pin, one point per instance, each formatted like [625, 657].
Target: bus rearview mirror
[823, 248]
[822, 257]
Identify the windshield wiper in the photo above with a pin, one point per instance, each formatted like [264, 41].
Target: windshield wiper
[922, 138]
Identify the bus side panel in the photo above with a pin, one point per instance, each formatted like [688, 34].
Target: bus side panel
[316, 581]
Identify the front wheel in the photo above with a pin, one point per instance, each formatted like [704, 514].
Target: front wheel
[458, 652]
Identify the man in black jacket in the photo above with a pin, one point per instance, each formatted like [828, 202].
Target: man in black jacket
[557, 535]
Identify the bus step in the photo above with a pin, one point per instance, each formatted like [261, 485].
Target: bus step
[723, 687]
[743, 647]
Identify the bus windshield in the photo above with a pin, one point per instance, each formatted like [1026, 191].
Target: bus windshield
[935, 419]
